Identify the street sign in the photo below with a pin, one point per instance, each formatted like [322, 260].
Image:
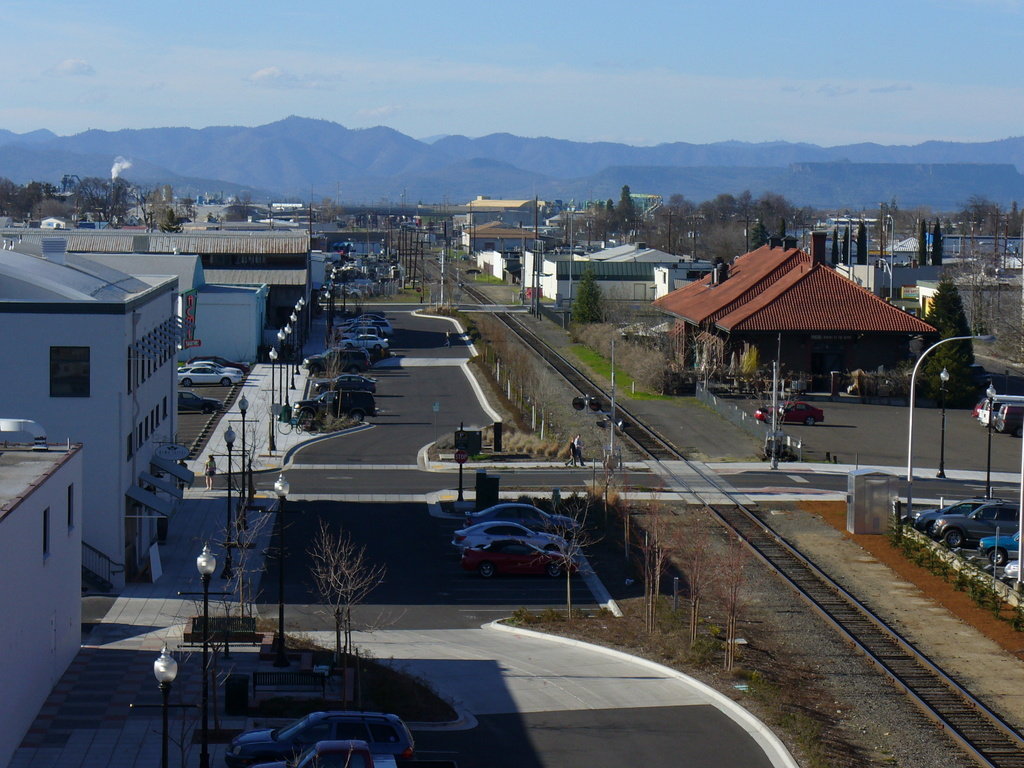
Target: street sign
[436, 407]
[461, 456]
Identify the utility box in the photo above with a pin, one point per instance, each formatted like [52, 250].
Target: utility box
[869, 497]
[486, 490]
[497, 436]
[469, 440]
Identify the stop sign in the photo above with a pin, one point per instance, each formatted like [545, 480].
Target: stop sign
[461, 456]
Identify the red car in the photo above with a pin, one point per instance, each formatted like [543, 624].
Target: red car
[512, 557]
[792, 412]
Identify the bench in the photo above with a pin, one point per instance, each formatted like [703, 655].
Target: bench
[235, 630]
[290, 680]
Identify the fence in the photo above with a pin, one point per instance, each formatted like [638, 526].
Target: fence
[736, 415]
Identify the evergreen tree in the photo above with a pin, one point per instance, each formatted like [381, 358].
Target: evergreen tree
[937, 245]
[835, 246]
[922, 243]
[758, 236]
[588, 307]
[846, 245]
[627, 211]
[169, 221]
[947, 315]
[782, 227]
[862, 244]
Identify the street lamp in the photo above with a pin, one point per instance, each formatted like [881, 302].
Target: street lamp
[243, 406]
[281, 336]
[281, 488]
[943, 377]
[165, 669]
[990, 395]
[206, 564]
[295, 358]
[913, 398]
[229, 439]
[273, 391]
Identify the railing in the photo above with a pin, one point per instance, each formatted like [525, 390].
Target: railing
[736, 415]
[99, 566]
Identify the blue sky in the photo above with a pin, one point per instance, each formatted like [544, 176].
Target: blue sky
[896, 72]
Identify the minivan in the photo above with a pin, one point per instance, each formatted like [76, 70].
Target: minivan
[1009, 420]
[997, 402]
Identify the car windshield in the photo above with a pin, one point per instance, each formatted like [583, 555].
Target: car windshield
[288, 732]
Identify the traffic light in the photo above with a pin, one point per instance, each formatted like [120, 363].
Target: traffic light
[595, 404]
[592, 402]
[579, 403]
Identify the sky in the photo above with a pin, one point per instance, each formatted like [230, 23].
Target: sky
[827, 73]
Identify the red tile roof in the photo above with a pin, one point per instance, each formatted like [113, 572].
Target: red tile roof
[772, 289]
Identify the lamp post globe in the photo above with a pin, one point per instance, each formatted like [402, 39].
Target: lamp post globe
[281, 336]
[990, 395]
[271, 442]
[943, 378]
[281, 488]
[165, 669]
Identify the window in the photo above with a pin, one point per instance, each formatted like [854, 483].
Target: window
[71, 506]
[128, 369]
[46, 531]
[131, 446]
[165, 407]
[69, 371]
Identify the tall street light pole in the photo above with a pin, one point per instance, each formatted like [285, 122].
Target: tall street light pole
[243, 407]
[228, 572]
[281, 488]
[913, 399]
[206, 564]
[943, 378]
[165, 669]
[281, 336]
[273, 391]
[990, 394]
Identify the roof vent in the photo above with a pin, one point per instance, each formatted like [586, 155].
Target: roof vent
[55, 249]
[14, 426]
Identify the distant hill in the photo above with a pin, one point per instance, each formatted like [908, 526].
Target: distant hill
[299, 157]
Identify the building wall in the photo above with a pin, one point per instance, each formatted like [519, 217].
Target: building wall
[103, 420]
[42, 601]
[229, 323]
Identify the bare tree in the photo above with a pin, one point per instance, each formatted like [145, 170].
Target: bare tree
[731, 579]
[344, 577]
[655, 551]
[696, 561]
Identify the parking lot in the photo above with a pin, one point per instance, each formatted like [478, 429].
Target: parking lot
[193, 427]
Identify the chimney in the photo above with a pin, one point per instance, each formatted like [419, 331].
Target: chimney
[775, 242]
[789, 242]
[55, 249]
[818, 247]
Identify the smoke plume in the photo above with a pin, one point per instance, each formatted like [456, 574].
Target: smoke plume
[120, 165]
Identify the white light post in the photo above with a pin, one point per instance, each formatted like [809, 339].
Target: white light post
[943, 378]
[281, 488]
[206, 564]
[273, 391]
[990, 394]
[913, 399]
[165, 669]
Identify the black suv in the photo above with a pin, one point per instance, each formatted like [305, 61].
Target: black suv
[356, 405]
[959, 530]
[385, 734]
[338, 359]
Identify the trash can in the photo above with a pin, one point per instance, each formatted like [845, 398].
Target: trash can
[486, 490]
[497, 436]
[836, 380]
[236, 695]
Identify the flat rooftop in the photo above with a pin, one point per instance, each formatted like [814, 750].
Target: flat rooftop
[23, 468]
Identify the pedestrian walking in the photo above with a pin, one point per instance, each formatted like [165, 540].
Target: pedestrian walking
[210, 470]
[572, 453]
[447, 338]
[577, 443]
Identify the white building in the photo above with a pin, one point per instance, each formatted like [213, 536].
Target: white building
[89, 353]
[41, 535]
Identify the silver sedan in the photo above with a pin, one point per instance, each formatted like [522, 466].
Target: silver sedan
[484, 533]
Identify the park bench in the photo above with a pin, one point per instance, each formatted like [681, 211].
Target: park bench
[235, 630]
[290, 680]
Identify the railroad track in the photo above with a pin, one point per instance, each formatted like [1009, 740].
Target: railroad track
[982, 733]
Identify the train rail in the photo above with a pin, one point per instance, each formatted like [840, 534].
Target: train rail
[980, 731]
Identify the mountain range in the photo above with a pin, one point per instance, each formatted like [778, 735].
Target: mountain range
[302, 158]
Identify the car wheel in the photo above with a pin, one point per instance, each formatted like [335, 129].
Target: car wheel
[954, 538]
[186, 382]
[306, 418]
[809, 421]
[356, 415]
[225, 382]
[376, 347]
[998, 557]
[554, 570]
[1018, 432]
[486, 569]
[208, 409]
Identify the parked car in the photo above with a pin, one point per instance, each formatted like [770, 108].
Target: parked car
[484, 533]
[190, 401]
[364, 341]
[525, 514]
[998, 402]
[513, 557]
[1011, 570]
[792, 412]
[350, 753]
[356, 405]
[378, 324]
[386, 735]
[208, 374]
[924, 519]
[338, 359]
[997, 549]
[223, 362]
[960, 530]
[1010, 420]
[347, 382]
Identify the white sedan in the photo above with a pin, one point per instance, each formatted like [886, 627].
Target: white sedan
[484, 533]
[205, 373]
[364, 341]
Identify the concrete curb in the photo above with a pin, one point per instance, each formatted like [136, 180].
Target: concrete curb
[772, 746]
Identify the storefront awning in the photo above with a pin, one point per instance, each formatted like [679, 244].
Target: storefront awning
[151, 500]
[161, 483]
[173, 468]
